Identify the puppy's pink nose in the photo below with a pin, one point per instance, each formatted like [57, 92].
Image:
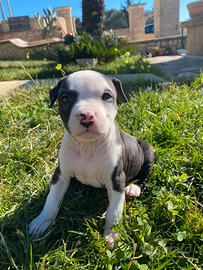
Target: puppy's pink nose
[86, 119]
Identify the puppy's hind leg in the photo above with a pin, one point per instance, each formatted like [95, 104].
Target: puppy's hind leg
[134, 190]
[52, 205]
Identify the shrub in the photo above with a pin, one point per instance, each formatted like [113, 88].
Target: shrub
[64, 54]
[105, 49]
[128, 64]
[43, 52]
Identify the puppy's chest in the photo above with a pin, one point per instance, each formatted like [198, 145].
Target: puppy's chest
[94, 168]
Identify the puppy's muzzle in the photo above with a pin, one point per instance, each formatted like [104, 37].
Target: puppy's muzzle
[86, 119]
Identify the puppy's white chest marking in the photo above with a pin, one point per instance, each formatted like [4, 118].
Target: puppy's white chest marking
[93, 165]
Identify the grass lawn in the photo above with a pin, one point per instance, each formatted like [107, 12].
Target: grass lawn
[23, 70]
[163, 229]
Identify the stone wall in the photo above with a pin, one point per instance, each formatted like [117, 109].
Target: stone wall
[35, 32]
[29, 35]
[9, 51]
[166, 17]
[195, 35]
[169, 44]
[136, 22]
[66, 13]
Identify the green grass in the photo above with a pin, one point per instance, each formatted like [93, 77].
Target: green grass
[163, 229]
[23, 70]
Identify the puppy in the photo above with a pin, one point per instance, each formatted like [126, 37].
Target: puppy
[93, 149]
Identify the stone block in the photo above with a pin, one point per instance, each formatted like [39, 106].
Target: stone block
[66, 12]
[194, 35]
[136, 21]
[166, 17]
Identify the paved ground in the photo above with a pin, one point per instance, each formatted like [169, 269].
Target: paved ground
[8, 86]
[172, 67]
[178, 66]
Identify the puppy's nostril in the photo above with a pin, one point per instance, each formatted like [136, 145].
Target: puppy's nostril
[82, 115]
[86, 120]
[85, 117]
[91, 117]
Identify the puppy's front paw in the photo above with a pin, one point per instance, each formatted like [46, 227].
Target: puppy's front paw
[132, 190]
[39, 225]
[111, 239]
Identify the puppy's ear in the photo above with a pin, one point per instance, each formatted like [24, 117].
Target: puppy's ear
[121, 97]
[53, 93]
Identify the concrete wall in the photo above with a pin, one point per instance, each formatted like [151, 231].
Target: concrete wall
[195, 40]
[166, 20]
[33, 22]
[136, 22]
[65, 25]
[149, 36]
[122, 32]
[66, 13]
[35, 32]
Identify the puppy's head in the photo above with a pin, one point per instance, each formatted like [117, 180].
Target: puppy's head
[88, 103]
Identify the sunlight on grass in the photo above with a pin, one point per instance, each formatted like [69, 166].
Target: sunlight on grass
[22, 70]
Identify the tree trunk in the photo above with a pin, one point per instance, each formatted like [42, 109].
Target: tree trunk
[93, 16]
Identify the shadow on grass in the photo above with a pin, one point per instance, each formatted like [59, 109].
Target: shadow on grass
[81, 205]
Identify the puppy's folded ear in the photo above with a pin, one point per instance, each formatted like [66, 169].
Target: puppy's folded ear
[53, 93]
[121, 97]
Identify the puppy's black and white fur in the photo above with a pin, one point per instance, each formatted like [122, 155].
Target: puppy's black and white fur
[93, 149]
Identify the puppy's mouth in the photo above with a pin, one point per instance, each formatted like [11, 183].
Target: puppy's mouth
[90, 132]
[88, 135]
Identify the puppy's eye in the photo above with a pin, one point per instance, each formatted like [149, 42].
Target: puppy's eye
[107, 97]
[64, 99]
